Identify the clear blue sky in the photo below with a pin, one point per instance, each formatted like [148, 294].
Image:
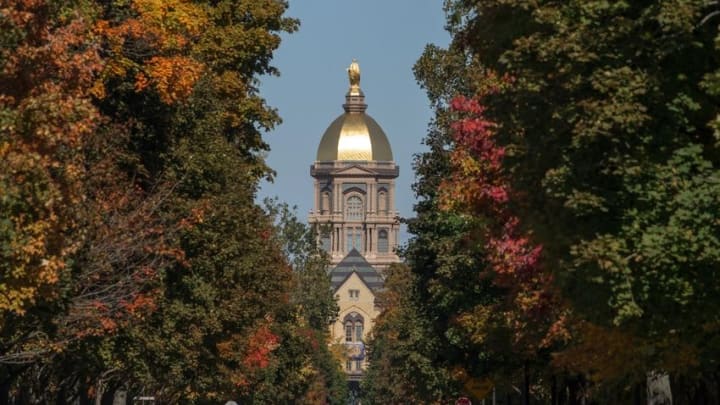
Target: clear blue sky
[386, 37]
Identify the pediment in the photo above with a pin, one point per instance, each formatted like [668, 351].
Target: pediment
[354, 170]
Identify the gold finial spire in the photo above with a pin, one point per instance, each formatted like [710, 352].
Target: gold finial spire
[354, 75]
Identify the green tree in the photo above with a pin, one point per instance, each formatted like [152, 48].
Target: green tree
[606, 115]
[405, 354]
[314, 309]
[218, 321]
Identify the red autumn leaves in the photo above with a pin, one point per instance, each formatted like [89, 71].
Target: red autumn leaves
[479, 186]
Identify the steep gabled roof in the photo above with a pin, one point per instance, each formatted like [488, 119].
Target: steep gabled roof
[354, 262]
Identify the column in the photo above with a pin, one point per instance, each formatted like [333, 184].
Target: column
[336, 238]
[371, 240]
[391, 196]
[396, 232]
[339, 239]
[364, 240]
[336, 194]
[316, 207]
[343, 236]
[370, 197]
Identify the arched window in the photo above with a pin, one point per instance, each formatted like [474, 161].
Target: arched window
[354, 327]
[354, 208]
[382, 201]
[383, 244]
[325, 203]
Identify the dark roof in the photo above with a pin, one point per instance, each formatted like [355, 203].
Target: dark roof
[354, 262]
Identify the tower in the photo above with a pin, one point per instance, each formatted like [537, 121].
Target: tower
[354, 214]
[354, 184]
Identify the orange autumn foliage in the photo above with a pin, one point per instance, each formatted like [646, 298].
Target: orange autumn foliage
[172, 77]
[153, 47]
[47, 119]
[260, 345]
[243, 356]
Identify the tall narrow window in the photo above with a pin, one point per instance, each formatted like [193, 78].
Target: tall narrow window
[325, 240]
[357, 243]
[383, 241]
[325, 203]
[348, 331]
[354, 209]
[382, 202]
[353, 239]
[358, 331]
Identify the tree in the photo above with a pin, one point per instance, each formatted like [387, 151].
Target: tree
[215, 330]
[134, 133]
[63, 190]
[404, 353]
[314, 310]
[47, 120]
[609, 159]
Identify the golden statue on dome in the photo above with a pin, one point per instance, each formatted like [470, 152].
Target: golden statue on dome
[354, 76]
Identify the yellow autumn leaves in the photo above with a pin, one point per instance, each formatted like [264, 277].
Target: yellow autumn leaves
[170, 28]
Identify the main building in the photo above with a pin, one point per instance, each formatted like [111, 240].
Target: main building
[354, 214]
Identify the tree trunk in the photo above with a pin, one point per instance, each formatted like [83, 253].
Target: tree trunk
[573, 392]
[638, 394]
[526, 384]
[5, 392]
[658, 389]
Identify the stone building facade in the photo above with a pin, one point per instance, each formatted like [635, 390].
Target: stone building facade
[355, 216]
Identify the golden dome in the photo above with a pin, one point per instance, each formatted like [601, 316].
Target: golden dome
[354, 142]
[354, 136]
